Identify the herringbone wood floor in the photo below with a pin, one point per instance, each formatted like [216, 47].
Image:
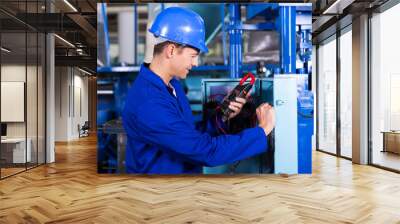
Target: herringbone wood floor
[70, 191]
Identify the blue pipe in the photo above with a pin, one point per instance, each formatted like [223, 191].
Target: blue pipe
[287, 22]
[106, 37]
[222, 13]
[235, 41]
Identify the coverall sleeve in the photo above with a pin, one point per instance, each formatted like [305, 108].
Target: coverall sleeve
[159, 123]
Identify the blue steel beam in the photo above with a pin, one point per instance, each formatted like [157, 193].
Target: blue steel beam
[222, 14]
[235, 41]
[287, 28]
[106, 37]
[259, 9]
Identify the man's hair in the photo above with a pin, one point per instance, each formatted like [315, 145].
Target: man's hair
[158, 48]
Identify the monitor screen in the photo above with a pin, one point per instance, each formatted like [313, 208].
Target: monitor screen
[3, 129]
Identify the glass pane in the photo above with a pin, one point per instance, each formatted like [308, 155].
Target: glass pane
[346, 94]
[327, 97]
[32, 82]
[13, 86]
[385, 89]
[41, 99]
[31, 97]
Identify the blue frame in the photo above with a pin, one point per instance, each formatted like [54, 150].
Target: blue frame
[287, 28]
[106, 37]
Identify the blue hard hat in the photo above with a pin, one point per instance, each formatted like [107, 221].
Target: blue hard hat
[182, 26]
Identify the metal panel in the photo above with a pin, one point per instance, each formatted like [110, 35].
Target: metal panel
[305, 119]
[285, 103]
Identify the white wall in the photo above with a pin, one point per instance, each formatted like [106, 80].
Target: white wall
[71, 93]
[62, 82]
[14, 73]
[80, 89]
[13, 101]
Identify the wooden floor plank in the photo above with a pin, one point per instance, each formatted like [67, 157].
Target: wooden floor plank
[70, 191]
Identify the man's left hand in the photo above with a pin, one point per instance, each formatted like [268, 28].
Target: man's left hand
[236, 106]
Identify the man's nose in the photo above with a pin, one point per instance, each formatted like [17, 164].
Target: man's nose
[195, 61]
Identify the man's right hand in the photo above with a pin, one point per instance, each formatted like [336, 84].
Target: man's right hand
[266, 117]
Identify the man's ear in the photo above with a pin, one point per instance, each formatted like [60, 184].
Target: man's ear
[169, 50]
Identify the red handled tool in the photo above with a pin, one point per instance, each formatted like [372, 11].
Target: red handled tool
[240, 90]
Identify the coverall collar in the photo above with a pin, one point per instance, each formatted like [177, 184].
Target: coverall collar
[153, 77]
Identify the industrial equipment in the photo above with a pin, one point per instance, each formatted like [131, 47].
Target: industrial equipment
[289, 148]
[272, 40]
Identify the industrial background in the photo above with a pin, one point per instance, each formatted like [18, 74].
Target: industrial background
[270, 40]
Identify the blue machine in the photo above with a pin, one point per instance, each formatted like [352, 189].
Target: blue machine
[290, 147]
[286, 86]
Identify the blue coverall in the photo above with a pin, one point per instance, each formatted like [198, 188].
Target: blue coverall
[162, 138]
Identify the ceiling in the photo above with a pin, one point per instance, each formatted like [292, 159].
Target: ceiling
[331, 15]
[72, 20]
[75, 21]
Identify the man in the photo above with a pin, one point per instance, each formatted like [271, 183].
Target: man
[157, 117]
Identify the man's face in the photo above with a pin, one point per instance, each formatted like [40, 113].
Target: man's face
[184, 59]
